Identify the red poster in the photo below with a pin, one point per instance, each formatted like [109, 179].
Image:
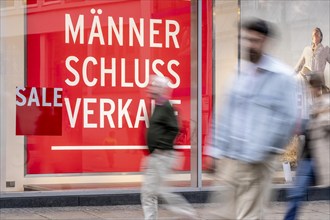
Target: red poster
[36, 105]
[101, 54]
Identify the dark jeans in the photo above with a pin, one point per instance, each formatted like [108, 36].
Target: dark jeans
[304, 178]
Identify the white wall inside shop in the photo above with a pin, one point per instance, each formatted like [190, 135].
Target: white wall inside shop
[295, 21]
[225, 17]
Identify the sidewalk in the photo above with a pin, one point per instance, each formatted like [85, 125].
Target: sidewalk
[315, 210]
[107, 197]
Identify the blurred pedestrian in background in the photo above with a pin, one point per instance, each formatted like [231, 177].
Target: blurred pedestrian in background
[161, 134]
[313, 165]
[255, 124]
[319, 130]
[312, 61]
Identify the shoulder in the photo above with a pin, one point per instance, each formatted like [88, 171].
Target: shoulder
[276, 66]
[326, 49]
[167, 106]
[326, 99]
[307, 52]
[308, 47]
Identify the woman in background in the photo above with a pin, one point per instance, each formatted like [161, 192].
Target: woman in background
[312, 61]
[315, 57]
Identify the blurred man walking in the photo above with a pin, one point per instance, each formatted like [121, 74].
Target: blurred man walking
[256, 122]
[161, 134]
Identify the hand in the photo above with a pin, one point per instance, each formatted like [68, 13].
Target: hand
[303, 75]
[144, 163]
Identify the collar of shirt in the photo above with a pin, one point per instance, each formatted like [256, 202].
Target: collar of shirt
[248, 68]
[254, 69]
[270, 64]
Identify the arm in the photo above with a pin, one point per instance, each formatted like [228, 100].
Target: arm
[219, 131]
[171, 127]
[217, 143]
[286, 116]
[328, 54]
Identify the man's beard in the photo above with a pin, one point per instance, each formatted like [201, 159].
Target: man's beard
[254, 56]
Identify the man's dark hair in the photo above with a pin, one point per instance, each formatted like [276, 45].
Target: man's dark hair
[258, 25]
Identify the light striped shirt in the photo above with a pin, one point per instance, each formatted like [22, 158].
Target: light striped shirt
[259, 115]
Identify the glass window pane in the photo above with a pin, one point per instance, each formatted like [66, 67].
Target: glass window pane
[294, 22]
[81, 74]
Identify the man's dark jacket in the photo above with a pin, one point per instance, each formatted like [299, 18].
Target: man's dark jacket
[163, 128]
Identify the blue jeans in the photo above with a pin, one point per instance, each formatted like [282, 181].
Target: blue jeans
[304, 178]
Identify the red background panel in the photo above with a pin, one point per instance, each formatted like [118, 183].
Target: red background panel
[47, 54]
